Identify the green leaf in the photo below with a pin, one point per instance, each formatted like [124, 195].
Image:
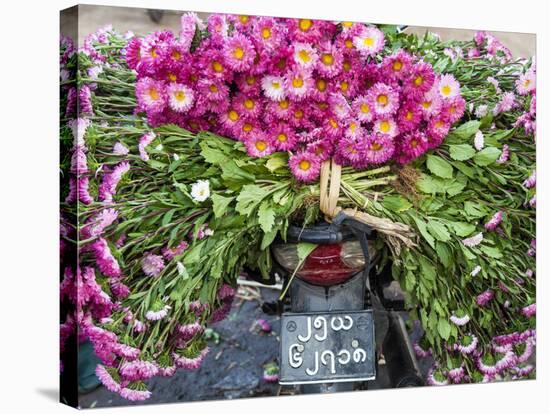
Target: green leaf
[461, 152]
[444, 254]
[456, 186]
[430, 185]
[439, 166]
[423, 229]
[397, 204]
[268, 238]
[467, 129]
[249, 198]
[235, 177]
[304, 250]
[428, 270]
[266, 216]
[167, 217]
[438, 230]
[276, 161]
[220, 204]
[474, 210]
[193, 254]
[463, 229]
[491, 252]
[487, 156]
[444, 328]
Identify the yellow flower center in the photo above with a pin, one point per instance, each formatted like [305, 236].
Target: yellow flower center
[238, 53]
[426, 104]
[305, 24]
[419, 80]
[376, 146]
[213, 88]
[217, 66]
[153, 93]
[382, 100]
[297, 82]
[347, 65]
[322, 105]
[298, 113]
[414, 143]
[438, 124]
[385, 126]
[344, 86]
[364, 108]
[452, 109]
[304, 56]
[172, 77]
[327, 59]
[260, 145]
[409, 115]
[333, 123]
[446, 90]
[526, 83]
[250, 80]
[283, 104]
[304, 165]
[248, 103]
[176, 55]
[282, 137]
[233, 115]
[193, 77]
[321, 85]
[353, 126]
[347, 24]
[397, 65]
[154, 53]
[244, 19]
[179, 95]
[349, 43]
[247, 127]
[266, 32]
[368, 41]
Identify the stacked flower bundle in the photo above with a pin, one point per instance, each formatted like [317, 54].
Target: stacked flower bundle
[189, 155]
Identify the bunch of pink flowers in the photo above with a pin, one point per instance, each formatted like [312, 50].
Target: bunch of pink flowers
[316, 89]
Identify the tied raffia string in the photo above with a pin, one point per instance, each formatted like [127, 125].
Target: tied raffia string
[397, 234]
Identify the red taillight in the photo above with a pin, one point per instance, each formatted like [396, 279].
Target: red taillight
[328, 264]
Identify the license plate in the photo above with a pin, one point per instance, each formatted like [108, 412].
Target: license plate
[327, 347]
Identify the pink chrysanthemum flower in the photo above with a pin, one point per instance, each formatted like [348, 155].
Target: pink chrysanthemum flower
[430, 103]
[283, 137]
[157, 315]
[190, 22]
[304, 30]
[412, 146]
[473, 241]
[239, 52]
[249, 106]
[504, 155]
[386, 126]
[523, 371]
[132, 52]
[218, 27]
[383, 99]
[479, 141]
[96, 224]
[354, 129]
[281, 110]
[495, 220]
[533, 201]
[78, 189]
[421, 352]
[150, 95]
[305, 166]
[144, 141]
[378, 148]
[526, 83]
[436, 377]
[456, 374]
[230, 119]
[350, 151]
[298, 84]
[106, 378]
[369, 41]
[78, 128]
[190, 363]
[273, 87]
[419, 80]
[169, 253]
[397, 65]
[188, 331]
[438, 128]
[507, 102]
[105, 260]
[483, 298]
[448, 86]
[79, 164]
[85, 100]
[529, 310]
[180, 97]
[304, 55]
[339, 106]
[460, 320]
[409, 116]
[138, 370]
[135, 395]
[259, 145]
[361, 108]
[467, 344]
[531, 181]
[453, 109]
[322, 148]
[152, 264]
[268, 34]
[330, 60]
[524, 350]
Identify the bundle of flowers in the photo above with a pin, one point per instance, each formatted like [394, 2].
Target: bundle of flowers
[190, 154]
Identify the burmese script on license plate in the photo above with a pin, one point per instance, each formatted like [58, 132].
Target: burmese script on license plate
[327, 347]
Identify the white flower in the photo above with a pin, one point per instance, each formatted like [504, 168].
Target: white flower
[479, 141]
[208, 232]
[481, 111]
[476, 270]
[182, 271]
[159, 147]
[273, 87]
[120, 149]
[460, 321]
[200, 191]
[473, 241]
[448, 86]
[176, 157]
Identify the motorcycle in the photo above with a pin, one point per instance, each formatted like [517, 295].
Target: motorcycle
[338, 320]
